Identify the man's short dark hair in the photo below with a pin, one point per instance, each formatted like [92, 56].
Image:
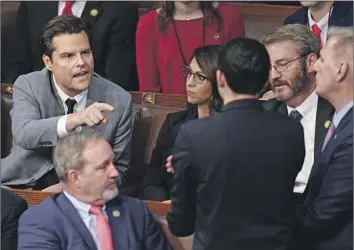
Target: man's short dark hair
[57, 26]
[245, 63]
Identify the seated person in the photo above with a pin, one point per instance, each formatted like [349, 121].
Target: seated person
[111, 24]
[320, 15]
[12, 207]
[64, 96]
[89, 213]
[204, 99]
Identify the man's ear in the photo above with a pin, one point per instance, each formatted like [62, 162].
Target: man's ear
[310, 62]
[342, 71]
[47, 62]
[73, 177]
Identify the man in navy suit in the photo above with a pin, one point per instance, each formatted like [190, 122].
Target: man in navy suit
[320, 15]
[326, 219]
[232, 186]
[88, 214]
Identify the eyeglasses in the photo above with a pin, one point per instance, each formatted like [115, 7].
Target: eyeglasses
[197, 77]
[282, 67]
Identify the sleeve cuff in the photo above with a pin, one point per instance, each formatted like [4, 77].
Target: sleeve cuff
[61, 127]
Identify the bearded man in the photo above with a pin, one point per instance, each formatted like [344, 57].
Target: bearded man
[293, 50]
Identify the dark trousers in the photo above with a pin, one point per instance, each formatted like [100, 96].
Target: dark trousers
[45, 181]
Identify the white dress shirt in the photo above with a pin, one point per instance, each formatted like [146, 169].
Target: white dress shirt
[79, 106]
[77, 8]
[322, 24]
[308, 110]
[89, 219]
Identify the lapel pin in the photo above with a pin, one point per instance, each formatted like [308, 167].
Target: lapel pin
[116, 213]
[94, 12]
[327, 124]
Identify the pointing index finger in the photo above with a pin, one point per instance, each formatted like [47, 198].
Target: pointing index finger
[104, 106]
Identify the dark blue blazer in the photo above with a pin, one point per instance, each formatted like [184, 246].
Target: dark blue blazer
[234, 178]
[55, 224]
[342, 15]
[326, 219]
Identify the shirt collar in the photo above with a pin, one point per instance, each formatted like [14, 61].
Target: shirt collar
[341, 113]
[322, 24]
[307, 106]
[77, 3]
[78, 98]
[82, 207]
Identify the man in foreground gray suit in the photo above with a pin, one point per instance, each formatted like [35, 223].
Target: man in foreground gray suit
[65, 96]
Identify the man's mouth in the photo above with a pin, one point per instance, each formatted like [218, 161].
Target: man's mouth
[81, 74]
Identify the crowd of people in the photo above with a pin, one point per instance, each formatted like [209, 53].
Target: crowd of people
[240, 171]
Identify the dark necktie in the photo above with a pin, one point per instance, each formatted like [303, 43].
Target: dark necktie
[67, 9]
[70, 103]
[295, 115]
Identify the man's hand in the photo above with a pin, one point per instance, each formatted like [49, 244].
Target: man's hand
[169, 168]
[90, 116]
[56, 188]
[268, 95]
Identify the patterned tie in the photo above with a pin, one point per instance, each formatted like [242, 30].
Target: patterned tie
[317, 32]
[103, 229]
[329, 135]
[67, 9]
[70, 103]
[295, 115]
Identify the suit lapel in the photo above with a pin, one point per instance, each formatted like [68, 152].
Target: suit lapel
[339, 12]
[117, 221]
[69, 210]
[343, 123]
[92, 11]
[281, 108]
[51, 10]
[304, 18]
[57, 103]
[324, 117]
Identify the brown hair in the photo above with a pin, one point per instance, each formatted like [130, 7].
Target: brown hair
[300, 34]
[211, 14]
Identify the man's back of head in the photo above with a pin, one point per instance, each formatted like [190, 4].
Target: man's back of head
[243, 69]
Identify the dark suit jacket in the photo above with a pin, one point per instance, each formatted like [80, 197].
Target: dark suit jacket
[112, 37]
[157, 181]
[12, 207]
[234, 178]
[342, 15]
[56, 224]
[326, 219]
[325, 112]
